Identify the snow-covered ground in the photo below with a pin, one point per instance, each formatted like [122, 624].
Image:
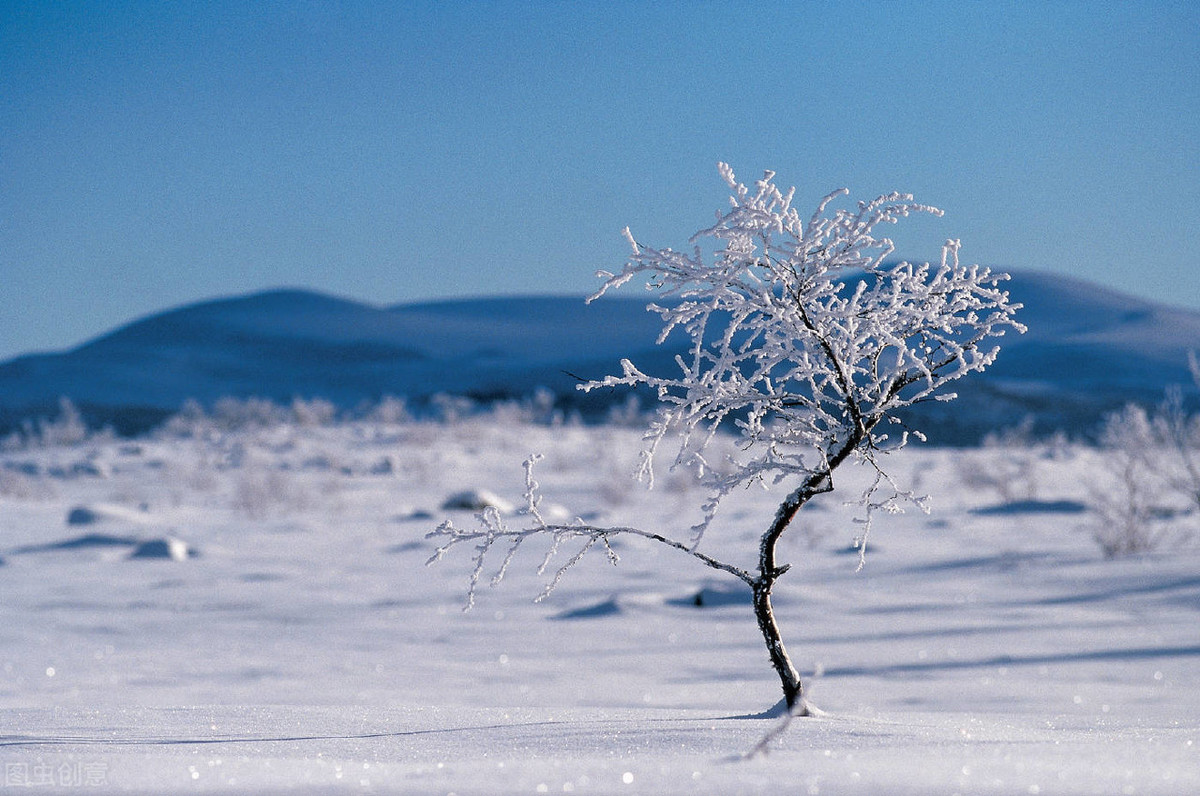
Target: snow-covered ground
[299, 641]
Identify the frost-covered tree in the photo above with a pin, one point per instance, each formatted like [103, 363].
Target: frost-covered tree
[1150, 474]
[805, 342]
[1128, 498]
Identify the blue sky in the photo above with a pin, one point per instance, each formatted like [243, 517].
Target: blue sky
[155, 154]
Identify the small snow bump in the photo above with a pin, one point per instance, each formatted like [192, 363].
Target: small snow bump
[102, 512]
[167, 548]
[476, 500]
[82, 515]
[555, 513]
[86, 542]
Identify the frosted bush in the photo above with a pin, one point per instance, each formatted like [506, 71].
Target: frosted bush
[235, 414]
[65, 429]
[14, 484]
[259, 492]
[628, 414]
[1148, 492]
[806, 343]
[537, 409]
[1007, 464]
[451, 409]
[390, 411]
[313, 412]
[190, 422]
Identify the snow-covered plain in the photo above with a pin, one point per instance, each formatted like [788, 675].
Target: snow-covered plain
[301, 642]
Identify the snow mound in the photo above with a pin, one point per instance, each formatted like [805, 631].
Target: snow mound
[407, 547]
[166, 548]
[476, 500]
[609, 607]
[555, 513]
[716, 596]
[1033, 507]
[407, 514]
[105, 512]
[613, 606]
[88, 541]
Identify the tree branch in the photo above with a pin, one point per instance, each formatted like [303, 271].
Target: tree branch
[493, 531]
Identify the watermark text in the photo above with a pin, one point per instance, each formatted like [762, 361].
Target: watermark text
[67, 774]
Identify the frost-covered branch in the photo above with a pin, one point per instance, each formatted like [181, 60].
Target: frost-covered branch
[803, 337]
[494, 533]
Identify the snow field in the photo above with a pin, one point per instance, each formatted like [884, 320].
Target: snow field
[986, 647]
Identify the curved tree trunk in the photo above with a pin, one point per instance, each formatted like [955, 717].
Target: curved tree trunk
[769, 571]
[793, 690]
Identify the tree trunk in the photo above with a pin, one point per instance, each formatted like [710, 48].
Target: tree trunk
[769, 571]
[793, 690]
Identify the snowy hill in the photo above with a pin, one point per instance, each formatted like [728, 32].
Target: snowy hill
[288, 343]
[1088, 350]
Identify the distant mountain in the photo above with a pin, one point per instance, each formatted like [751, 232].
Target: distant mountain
[288, 343]
[1088, 350]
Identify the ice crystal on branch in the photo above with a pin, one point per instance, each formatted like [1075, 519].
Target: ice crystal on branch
[803, 336]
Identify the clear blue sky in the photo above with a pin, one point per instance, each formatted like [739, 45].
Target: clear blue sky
[154, 154]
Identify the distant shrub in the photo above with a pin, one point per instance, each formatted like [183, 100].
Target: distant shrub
[1148, 493]
[451, 409]
[313, 412]
[236, 414]
[390, 410]
[259, 492]
[21, 486]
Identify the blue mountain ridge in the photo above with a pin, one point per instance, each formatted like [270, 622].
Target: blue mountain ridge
[1088, 350]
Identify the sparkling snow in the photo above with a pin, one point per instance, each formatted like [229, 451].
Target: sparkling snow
[301, 642]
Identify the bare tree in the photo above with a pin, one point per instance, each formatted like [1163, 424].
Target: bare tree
[807, 344]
